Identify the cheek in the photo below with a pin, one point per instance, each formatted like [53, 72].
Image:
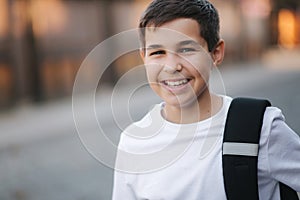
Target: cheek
[150, 77]
[152, 71]
[201, 66]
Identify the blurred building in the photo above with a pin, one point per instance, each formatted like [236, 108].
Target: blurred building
[250, 27]
[44, 42]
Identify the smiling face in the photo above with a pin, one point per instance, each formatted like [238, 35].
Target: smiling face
[177, 62]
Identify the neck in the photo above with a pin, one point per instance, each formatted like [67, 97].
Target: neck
[205, 107]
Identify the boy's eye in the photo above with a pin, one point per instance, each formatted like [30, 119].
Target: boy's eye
[186, 50]
[157, 53]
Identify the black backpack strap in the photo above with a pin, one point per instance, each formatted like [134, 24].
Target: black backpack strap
[240, 150]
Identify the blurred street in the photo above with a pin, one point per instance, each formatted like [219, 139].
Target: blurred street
[42, 158]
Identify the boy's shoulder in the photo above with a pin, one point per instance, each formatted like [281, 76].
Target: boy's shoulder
[153, 114]
[273, 113]
[143, 129]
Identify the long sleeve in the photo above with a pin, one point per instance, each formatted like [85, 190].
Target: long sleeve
[284, 154]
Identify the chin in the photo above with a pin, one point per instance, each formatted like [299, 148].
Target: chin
[181, 103]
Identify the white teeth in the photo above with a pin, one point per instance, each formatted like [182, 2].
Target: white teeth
[176, 83]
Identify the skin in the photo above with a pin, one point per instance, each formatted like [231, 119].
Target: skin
[178, 67]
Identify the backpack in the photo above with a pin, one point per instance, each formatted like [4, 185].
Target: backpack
[240, 150]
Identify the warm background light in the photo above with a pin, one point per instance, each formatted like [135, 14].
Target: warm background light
[48, 16]
[4, 22]
[287, 28]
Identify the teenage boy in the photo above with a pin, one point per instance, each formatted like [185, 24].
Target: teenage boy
[180, 46]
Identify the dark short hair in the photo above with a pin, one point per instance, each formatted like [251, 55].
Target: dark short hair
[162, 11]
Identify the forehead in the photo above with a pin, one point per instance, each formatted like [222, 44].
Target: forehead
[173, 32]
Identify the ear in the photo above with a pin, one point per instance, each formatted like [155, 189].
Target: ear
[142, 54]
[218, 52]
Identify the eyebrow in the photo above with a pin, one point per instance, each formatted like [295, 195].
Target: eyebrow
[154, 46]
[188, 42]
[181, 43]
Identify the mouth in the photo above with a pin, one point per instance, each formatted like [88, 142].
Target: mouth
[176, 83]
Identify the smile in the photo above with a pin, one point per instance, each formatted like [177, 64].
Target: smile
[175, 83]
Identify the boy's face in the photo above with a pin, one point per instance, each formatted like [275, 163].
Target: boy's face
[177, 61]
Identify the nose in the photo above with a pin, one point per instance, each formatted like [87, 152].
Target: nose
[172, 63]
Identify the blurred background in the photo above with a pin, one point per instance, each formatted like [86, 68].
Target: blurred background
[44, 42]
